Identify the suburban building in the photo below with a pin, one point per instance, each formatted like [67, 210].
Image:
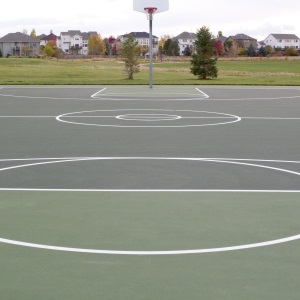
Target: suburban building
[47, 38]
[19, 44]
[185, 39]
[143, 39]
[243, 41]
[282, 41]
[74, 41]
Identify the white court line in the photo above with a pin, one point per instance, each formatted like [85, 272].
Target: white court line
[170, 252]
[27, 116]
[149, 190]
[269, 118]
[96, 94]
[201, 92]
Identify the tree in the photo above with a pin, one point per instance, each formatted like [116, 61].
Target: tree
[142, 50]
[291, 52]
[33, 34]
[231, 48]
[220, 34]
[187, 51]
[48, 50]
[268, 49]
[203, 63]
[262, 51]
[130, 57]
[218, 48]
[1, 53]
[96, 46]
[166, 45]
[251, 51]
[111, 40]
[163, 39]
[171, 48]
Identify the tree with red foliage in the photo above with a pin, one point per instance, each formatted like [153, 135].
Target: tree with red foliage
[218, 48]
[111, 40]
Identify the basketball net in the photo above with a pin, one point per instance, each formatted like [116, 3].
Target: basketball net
[150, 11]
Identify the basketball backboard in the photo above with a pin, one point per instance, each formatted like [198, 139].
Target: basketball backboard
[160, 5]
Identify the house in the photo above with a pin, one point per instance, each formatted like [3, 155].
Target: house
[47, 38]
[143, 39]
[185, 39]
[243, 41]
[75, 41]
[282, 41]
[19, 44]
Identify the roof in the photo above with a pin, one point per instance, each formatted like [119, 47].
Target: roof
[284, 36]
[72, 32]
[139, 35]
[186, 36]
[18, 37]
[221, 39]
[241, 36]
[50, 37]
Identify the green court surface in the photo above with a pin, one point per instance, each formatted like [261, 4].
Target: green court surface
[130, 193]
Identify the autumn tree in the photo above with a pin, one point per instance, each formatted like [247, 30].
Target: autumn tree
[163, 39]
[232, 48]
[110, 49]
[33, 34]
[203, 62]
[218, 47]
[49, 49]
[96, 46]
[142, 50]
[129, 55]
[268, 49]
[220, 34]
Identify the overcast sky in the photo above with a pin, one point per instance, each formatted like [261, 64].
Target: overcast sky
[116, 17]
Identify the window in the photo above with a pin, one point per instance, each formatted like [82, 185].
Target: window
[185, 40]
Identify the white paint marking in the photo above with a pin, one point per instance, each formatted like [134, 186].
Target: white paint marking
[201, 92]
[96, 94]
[149, 190]
[30, 117]
[170, 252]
[235, 119]
[270, 118]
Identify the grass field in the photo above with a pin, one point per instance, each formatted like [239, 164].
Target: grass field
[20, 71]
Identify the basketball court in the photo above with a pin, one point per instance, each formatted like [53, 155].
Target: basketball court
[174, 192]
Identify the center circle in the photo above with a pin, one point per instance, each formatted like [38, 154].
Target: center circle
[148, 117]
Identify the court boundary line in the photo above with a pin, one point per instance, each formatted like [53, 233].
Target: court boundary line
[150, 190]
[152, 99]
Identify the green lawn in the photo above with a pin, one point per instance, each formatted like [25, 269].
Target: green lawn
[65, 72]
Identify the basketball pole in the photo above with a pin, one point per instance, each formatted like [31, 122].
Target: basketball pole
[151, 51]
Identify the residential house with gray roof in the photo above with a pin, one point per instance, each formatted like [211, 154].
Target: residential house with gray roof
[282, 41]
[143, 39]
[19, 44]
[74, 42]
[243, 41]
[185, 39]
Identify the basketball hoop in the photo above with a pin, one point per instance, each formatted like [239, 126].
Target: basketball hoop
[150, 11]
